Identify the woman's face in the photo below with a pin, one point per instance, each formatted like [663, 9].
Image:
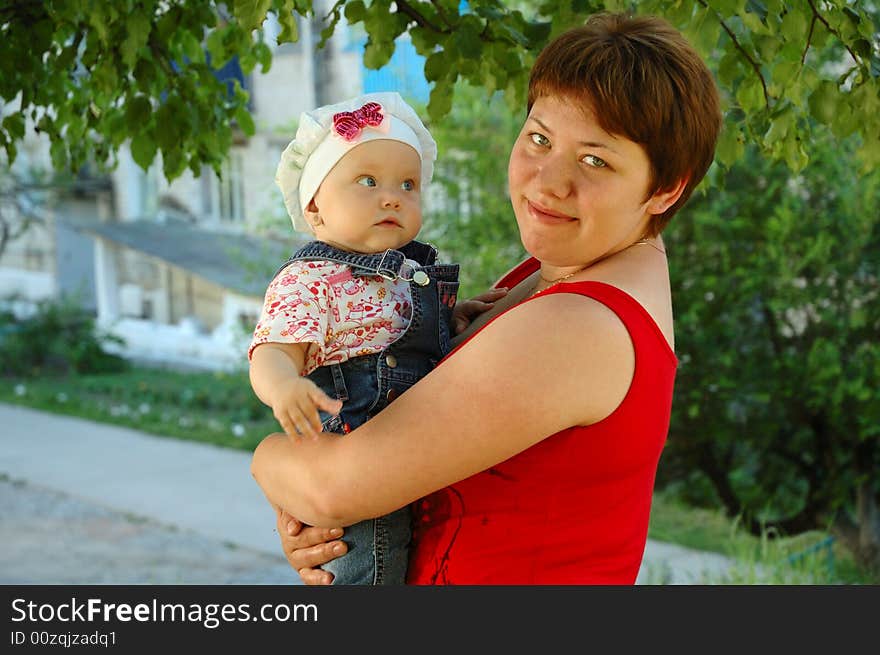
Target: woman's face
[578, 192]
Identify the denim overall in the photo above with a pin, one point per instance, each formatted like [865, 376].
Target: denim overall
[378, 549]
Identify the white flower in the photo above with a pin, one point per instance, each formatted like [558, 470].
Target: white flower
[20, 390]
[61, 397]
[238, 430]
[144, 408]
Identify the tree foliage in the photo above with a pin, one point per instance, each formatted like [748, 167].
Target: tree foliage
[472, 222]
[92, 75]
[777, 294]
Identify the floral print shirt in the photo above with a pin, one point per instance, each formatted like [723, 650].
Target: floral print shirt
[339, 314]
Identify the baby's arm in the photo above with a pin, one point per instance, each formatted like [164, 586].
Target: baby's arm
[275, 378]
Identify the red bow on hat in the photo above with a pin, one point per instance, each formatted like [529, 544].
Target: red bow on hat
[348, 124]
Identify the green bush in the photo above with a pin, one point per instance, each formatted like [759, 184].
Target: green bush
[59, 338]
[775, 284]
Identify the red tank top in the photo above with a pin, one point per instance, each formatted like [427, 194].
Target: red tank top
[573, 508]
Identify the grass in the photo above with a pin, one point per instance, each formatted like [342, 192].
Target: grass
[217, 408]
[221, 408]
[807, 558]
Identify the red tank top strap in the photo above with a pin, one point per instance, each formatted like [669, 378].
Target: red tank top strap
[518, 273]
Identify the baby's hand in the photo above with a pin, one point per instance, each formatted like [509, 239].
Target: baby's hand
[467, 310]
[296, 406]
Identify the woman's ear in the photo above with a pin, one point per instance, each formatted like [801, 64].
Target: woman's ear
[664, 199]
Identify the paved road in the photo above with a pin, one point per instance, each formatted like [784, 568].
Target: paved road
[51, 537]
[90, 503]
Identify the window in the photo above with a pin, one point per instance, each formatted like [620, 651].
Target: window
[224, 195]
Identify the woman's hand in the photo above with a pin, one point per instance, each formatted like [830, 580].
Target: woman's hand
[307, 548]
[467, 310]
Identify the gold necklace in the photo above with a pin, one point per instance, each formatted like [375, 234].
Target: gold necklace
[640, 242]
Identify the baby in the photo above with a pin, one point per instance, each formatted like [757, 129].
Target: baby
[361, 313]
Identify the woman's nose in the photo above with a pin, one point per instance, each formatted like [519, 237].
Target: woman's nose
[554, 178]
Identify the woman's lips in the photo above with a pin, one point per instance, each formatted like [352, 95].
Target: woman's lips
[546, 215]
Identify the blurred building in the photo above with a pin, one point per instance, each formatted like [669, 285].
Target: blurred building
[179, 270]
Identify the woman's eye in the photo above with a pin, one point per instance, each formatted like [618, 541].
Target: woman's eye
[408, 185]
[594, 161]
[539, 139]
[367, 180]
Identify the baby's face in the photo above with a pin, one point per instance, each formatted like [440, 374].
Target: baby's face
[371, 199]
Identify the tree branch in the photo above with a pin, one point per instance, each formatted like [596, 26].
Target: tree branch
[408, 10]
[742, 51]
[809, 38]
[828, 27]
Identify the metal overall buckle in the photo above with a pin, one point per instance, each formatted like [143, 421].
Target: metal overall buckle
[418, 276]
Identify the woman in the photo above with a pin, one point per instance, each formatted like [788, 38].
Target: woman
[532, 448]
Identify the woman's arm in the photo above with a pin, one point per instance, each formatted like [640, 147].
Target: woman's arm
[529, 374]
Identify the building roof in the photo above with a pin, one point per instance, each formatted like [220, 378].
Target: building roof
[243, 263]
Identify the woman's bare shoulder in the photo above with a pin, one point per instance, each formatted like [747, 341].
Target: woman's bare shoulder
[644, 276]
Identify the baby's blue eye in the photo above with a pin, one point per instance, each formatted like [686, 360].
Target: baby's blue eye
[539, 139]
[594, 161]
[367, 180]
[408, 185]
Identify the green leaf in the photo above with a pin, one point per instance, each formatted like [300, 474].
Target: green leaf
[247, 61]
[217, 48]
[424, 40]
[264, 56]
[514, 35]
[289, 31]
[173, 162]
[355, 12]
[245, 121]
[440, 100]
[823, 102]
[143, 149]
[794, 24]
[377, 55]
[138, 110]
[753, 22]
[14, 125]
[192, 47]
[437, 66]
[98, 20]
[704, 31]
[731, 145]
[11, 150]
[750, 95]
[467, 37]
[138, 33]
[250, 13]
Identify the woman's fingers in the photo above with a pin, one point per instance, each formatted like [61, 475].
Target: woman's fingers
[315, 577]
[305, 561]
[314, 556]
[287, 524]
[306, 548]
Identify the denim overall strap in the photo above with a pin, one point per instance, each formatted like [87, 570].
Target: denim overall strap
[389, 264]
[427, 339]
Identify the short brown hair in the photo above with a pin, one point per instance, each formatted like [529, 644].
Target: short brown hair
[645, 82]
